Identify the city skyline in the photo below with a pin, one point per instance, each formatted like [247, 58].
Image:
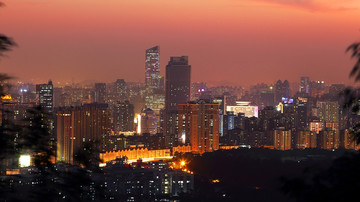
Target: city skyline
[225, 40]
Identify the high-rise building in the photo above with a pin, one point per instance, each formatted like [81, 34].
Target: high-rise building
[100, 92]
[154, 93]
[199, 125]
[282, 139]
[328, 139]
[148, 122]
[123, 116]
[152, 68]
[305, 139]
[304, 85]
[44, 96]
[79, 125]
[120, 90]
[348, 140]
[282, 90]
[177, 88]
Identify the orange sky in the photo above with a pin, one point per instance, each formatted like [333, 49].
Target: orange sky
[239, 41]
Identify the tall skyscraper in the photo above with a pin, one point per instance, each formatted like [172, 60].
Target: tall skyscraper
[199, 126]
[45, 96]
[152, 68]
[154, 94]
[100, 92]
[177, 89]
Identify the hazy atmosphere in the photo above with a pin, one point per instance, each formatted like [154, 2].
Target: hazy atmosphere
[241, 42]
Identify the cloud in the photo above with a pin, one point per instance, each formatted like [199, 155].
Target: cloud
[315, 5]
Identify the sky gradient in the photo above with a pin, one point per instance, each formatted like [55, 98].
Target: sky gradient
[237, 41]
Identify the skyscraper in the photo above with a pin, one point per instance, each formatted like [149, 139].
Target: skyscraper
[123, 116]
[199, 125]
[154, 94]
[120, 90]
[100, 92]
[152, 68]
[177, 89]
[44, 96]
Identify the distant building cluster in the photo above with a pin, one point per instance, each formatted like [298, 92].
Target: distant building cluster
[172, 112]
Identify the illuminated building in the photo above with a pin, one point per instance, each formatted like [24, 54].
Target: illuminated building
[349, 142]
[306, 139]
[245, 108]
[316, 126]
[199, 126]
[148, 122]
[44, 96]
[282, 139]
[123, 116]
[152, 68]
[154, 83]
[327, 139]
[120, 90]
[100, 92]
[177, 88]
[78, 125]
[328, 112]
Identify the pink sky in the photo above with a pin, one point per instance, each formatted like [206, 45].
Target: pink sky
[239, 41]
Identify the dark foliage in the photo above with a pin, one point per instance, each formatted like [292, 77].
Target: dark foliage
[252, 174]
[340, 182]
[5, 44]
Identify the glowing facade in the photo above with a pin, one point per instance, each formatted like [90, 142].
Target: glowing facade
[199, 126]
[152, 68]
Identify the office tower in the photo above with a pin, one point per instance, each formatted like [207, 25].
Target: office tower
[199, 125]
[100, 92]
[304, 85]
[152, 68]
[148, 122]
[177, 90]
[123, 116]
[154, 83]
[120, 90]
[89, 123]
[44, 96]
[282, 139]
